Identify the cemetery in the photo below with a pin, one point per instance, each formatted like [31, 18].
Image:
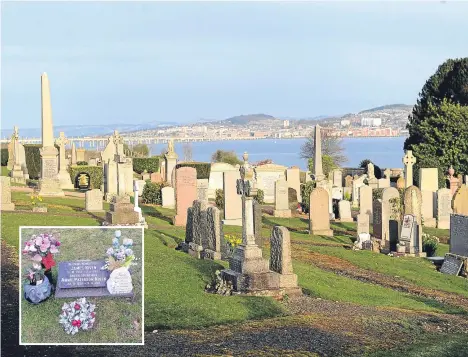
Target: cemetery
[81, 285]
[273, 255]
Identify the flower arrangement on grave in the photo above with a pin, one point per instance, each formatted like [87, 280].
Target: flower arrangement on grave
[119, 255]
[36, 286]
[34, 275]
[41, 248]
[233, 240]
[77, 315]
[36, 200]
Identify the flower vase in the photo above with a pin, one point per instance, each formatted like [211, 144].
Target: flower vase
[48, 274]
[36, 293]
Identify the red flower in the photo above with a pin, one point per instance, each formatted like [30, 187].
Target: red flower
[93, 314]
[77, 306]
[57, 244]
[74, 322]
[48, 261]
[78, 323]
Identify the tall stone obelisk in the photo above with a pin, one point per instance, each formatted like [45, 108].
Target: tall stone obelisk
[49, 183]
[318, 171]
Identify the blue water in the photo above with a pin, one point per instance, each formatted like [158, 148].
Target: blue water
[384, 152]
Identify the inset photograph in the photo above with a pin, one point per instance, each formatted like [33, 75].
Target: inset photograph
[81, 285]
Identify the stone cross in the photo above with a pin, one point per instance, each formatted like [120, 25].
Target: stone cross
[14, 139]
[409, 160]
[117, 139]
[387, 173]
[318, 171]
[246, 191]
[61, 142]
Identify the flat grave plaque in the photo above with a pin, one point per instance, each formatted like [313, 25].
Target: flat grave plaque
[82, 278]
[452, 265]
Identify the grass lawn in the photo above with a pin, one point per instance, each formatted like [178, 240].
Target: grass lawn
[116, 317]
[175, 282]
[5, 171]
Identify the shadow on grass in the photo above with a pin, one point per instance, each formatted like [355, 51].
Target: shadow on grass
[153, 212]
[268, 223]
[448, 309]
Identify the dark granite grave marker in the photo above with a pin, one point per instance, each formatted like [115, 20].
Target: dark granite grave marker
[83, 278]
[459, 234]
[452, 265]
[83, 181]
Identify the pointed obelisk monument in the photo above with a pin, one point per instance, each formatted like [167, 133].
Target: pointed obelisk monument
[49, 183]
[318, 175]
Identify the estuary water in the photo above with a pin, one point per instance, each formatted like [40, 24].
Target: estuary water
[384, 152]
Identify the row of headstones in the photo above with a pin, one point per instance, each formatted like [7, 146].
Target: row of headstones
[204, 238]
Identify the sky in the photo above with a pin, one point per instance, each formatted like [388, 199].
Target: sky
[137, 62]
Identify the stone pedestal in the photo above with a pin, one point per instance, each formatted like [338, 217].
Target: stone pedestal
[17, 174]
[171, 161]
[122, 211]
[282, 213]
[65, 180]
[49, 184]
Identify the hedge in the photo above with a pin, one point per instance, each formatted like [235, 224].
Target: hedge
[306, 189]
[33, 160]
[203, 168]
[150, 164]
[96, 174]
[152, 192]
[4, 157]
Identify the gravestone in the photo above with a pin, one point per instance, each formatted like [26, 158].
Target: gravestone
[266, 176]
[232, 201]
[122, 211]
[73, 159]
[185, 193]
[444, 208]
[365, 201]
[199, 228]
[357, 183]
[202, 189]
[280, 258]
[337, 193]
[170, 158]
[81, 278]
[6, 204]
[215, 181]
[337, 178]
[318, 169]
[319, 213]
[391, 216]
[156, 177]
[400, 184]
[214, 234]
[429, 179]
[293, 175]
[344, 209]
[409, 235]
[362, 223]
[93, 201]
[377, 219]
[281, 199]
[145, 176]
[452, 264]
[80, 154]
[92, 162]
[348, 181]
[120, 282]
[63, 175]
[459, 234]
[412, 204]
[427, 208]
[373, 183]
[189, 228]
[168, 198]
[460, 201]
[257, 215]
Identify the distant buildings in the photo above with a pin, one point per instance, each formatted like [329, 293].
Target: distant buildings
[371, 121]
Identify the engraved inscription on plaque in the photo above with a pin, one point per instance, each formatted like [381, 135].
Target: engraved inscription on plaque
[49, 168]
[82, 274]
[452, 265]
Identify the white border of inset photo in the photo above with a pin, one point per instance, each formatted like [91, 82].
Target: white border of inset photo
[142, 284]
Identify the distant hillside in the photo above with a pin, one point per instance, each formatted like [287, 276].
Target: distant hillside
[390, 106]
[249, 119]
